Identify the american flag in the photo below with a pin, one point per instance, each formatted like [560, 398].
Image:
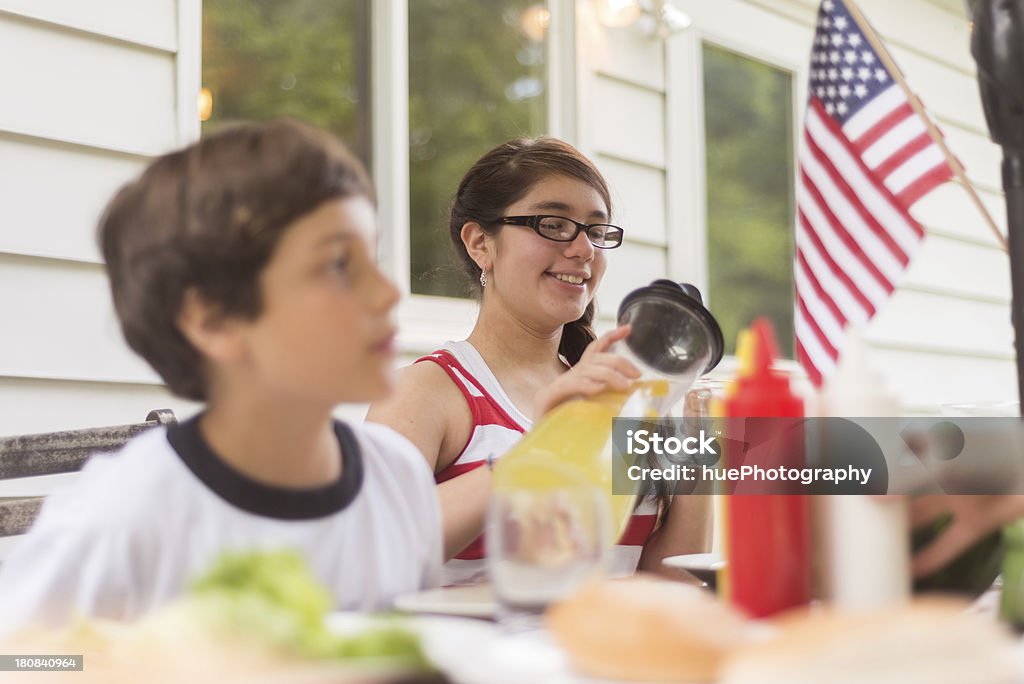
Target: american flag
[865, 158]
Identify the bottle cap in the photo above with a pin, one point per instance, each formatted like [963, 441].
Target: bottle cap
[855, 389]
[758, 389]
[672, 331]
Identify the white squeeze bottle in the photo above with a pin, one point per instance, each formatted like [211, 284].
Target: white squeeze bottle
[864, 540]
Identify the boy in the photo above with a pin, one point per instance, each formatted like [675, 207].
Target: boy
[242, 269]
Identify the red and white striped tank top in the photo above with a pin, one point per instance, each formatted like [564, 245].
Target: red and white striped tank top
[497, 426]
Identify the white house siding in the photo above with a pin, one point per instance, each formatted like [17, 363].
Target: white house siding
[94, 90]
[622, 126]
[91, 92]
[945, 335]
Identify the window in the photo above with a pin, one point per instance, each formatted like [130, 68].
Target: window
[476, 78]
[749, 178]
[304, 58]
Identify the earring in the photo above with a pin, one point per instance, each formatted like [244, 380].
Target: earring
[483, 279]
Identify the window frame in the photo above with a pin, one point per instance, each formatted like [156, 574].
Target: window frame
[778, 38]
[189, 69]
[428, 320]
[425, 320]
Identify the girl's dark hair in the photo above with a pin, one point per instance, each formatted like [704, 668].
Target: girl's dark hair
[208, 218]
[502, 177]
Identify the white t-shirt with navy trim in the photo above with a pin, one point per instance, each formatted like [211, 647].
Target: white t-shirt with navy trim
[139, 524]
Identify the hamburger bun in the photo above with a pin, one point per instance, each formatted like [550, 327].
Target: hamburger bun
[929, 641]
[646, 629]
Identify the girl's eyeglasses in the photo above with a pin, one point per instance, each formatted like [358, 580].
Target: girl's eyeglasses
[562, 229]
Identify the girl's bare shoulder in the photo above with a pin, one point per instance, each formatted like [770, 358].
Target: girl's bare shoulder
[428, 408]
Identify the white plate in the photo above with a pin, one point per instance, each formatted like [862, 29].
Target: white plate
[471, 651]
[474, 601]
[703, 566]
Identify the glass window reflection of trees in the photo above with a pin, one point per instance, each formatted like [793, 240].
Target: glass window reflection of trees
[477, 76]
[749, 178]
[304, 58]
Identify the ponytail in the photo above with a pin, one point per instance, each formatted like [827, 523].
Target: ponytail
[577, 335]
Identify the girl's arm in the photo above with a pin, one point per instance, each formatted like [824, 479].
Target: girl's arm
[429, 410]
[687, 529]
[464, 501]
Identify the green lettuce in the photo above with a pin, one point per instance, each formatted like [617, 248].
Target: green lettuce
[271, 597]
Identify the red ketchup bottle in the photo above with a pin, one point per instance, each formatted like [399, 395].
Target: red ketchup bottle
[768, 535]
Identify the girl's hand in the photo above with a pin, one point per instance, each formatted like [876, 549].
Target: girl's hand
[597, 370]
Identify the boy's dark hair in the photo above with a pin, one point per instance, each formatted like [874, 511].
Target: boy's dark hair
[500, 178]
[209, 217]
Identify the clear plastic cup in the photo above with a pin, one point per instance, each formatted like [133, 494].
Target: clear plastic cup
[542, 544]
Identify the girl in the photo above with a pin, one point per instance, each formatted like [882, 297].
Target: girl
[530, 223]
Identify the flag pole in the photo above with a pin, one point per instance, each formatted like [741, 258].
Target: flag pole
[918, 108]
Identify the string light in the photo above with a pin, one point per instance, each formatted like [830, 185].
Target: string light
[658, 18]
[204, 103]
[617, 13]
[535, 21]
